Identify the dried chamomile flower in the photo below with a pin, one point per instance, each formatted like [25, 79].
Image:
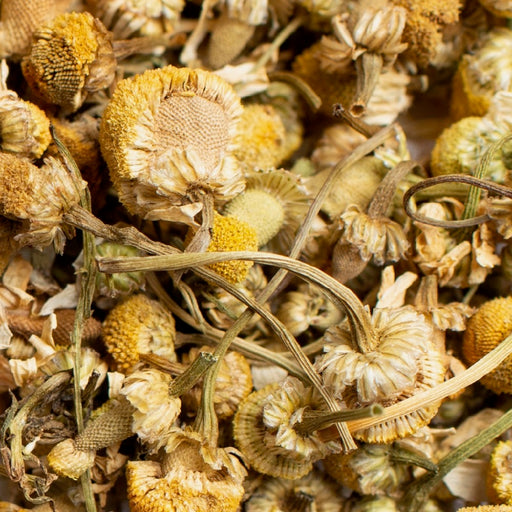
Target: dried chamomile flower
[122, 283]
[138, 325]
[313, 491]
[398, 361]
[20, 18]
[24, 127]
[167, 136]
[373, 36]
[462, 145]
[37, 198]
[274, 205]
[483, 73]
[305, 308]
[486, 329]
[126, 18]
[499, 473]
[231, 234]
[455, 264]
[70, 58]
[369, 470]
[260, 138]
[266, 430]
[288, 104]
[424, 24]
[378, 237]
[189, 477]
[112, 424]
[154, 409]
[223, 309]
[232, 385]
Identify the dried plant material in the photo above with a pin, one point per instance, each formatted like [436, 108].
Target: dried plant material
[70, 58]
[126, 18]
[370, 470]
[278, 494]
[487, 508]
[307, 308]
[356, 185]
[80, 137]
[499, 8]
[24, 127]
[499, 473]
[232, 385]
[273, 204]
[391, 368]
[486, 329]
[222, 308]
[260, 138]
[232, 234]
[425, 22]
[19, 20]
[72, 457]
[265, 430]
[36, 198]
[168, 138]
[461, 146]
[186, 479]
[152, 414]
[482, 74]
[138, 325]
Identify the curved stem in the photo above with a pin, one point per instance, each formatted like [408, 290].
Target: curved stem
[368, 68]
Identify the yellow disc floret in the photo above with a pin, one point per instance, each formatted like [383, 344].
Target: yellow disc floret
[70, 57]
[486, 329]
[230, 234]
[139, 325]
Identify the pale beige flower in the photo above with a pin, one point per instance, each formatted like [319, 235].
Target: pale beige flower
[377, 237]
[399, 362]
[167, 136]
[307, 307]
[126, 18]
[36, 198]
[314, 489]
[189, 477]
[155, 410]
[24, 127]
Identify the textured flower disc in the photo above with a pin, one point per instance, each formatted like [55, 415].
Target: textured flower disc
[70, 57]
[138, 325]
[259, 446]
[486, 329]
[167, 137]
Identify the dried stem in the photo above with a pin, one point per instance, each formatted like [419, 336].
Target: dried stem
[87, 281]
[419, 491]
[368, 68]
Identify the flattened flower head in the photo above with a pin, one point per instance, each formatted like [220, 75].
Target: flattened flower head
[401, 360]
[167, 137]
[265, 430]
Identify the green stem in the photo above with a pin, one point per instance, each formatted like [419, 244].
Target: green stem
[180, 385]
[87, 281]
[418, 492]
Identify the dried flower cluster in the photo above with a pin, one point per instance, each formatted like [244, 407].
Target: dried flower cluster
[255, 255]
